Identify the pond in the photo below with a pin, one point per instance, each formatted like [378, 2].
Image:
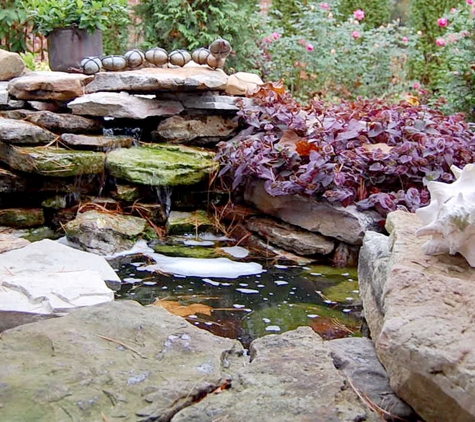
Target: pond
[279, 299]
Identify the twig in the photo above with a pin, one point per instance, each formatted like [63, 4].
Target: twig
[122, 344]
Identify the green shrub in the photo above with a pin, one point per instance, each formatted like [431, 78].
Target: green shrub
[377, 12]
[13, 19]
[175, 24]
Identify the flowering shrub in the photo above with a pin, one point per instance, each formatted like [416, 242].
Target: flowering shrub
[372, 153]
[329, 58]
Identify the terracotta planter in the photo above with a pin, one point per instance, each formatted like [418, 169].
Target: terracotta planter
[68, 46]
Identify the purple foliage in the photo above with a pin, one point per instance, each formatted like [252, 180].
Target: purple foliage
[369, 152]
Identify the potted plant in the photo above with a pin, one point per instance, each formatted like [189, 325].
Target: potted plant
[74, 27]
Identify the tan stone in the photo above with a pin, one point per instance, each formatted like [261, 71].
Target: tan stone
[11, 65]
[57, 86]
[420, 310]
[160, 79]
[241, 83]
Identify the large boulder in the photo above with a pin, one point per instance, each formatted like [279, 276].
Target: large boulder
[123, 105]
[121, 361]
[420, 312]
[159, 79]
[343, 223]
[161, 165]
[11, 65]
[56, 86]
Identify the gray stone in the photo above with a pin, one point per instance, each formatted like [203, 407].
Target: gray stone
[52, 161]
[51, 106]
[11, 65]
[104, 233]
[96, 143]
[343, 223]
[213, 102]
[123, 105]
[420, 312]
[159, 79]
[357, 359]
[291, 377]
[178, 129]
[65, 123]
[23, 133]
[56, 86]
[11, 239]
[118, 361]
[22, 217]
[289, 237]
[11, 182]
[19, 114]
[161, 165]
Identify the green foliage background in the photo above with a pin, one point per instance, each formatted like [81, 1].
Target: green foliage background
[377, 12]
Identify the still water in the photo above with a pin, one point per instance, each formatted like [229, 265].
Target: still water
[245, 308]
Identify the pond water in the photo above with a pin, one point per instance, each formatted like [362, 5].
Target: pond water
[279, 299]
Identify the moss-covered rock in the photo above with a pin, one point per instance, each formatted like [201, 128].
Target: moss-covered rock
[52, 161]
[161, 165]
[22, 217]
[188, 222]
[187, 251]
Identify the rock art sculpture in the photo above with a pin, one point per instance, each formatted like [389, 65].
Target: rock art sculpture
[450, 216]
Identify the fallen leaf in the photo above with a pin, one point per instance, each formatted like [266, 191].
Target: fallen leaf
[177, 308]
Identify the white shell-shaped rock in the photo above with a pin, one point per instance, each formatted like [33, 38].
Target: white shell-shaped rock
[450, 216]
[91, 65]
[134, 58]
[157, 56]
[114, 62]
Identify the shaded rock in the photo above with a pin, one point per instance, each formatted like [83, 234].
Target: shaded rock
[179, 129]
[126, 193]
[16, 114]
[420, 312]
[104, 233]
[11, 65]
[24, 133]
[6, 102]
[96, 143]
[52, 161]
[159, 79]
[11, 182]
[357, 359]
[180, 222]
[22, 217]
[123, 105]
[57, 86]
[65, 123]
[51, 106]
[345, 224]
[12, 319]
[345, 255]
[241, 83]
[290, 238]
[116, 361]
[291, 377]
[212, 102]
[161, 165]
[11, 239]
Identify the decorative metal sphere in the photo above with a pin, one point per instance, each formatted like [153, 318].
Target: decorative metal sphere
[215, 62]
[200, 55]
[114, 62]
[179, 57]
[157, 56]
[220, 48]
[91, 65]
[135, 58]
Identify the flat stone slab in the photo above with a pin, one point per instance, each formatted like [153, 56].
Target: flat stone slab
[343, 223]
[52, 161]
[159, 79]
[122, 361]
[96, 143]
[23, 133]
[65, 123]
[123, 105]
[161, 165]
[57, 86]
[420, 310]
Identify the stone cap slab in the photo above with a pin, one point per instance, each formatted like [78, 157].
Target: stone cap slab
[57, 86]
[159, 79]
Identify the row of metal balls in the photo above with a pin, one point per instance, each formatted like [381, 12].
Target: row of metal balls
[214, 56]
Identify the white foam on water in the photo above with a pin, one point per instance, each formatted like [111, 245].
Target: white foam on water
[281, 282]
[212, 282]
[248, 291]
[236, 251]
[274, 328]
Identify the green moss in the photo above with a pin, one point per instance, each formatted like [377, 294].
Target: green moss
[188, 222]
[343, 290]
[22, 217]
[161, 165]
[187, 251]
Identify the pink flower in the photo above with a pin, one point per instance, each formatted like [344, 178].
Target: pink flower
[416, 85]
[309, 47]
[453, 10]
[469, 1]
[267, 39]
[442, 22]
[359, 14]
[325, 6]
[465, 33]
[405, 39]
[276, 35]
[440, 42]
[356, 34]
[302, 42]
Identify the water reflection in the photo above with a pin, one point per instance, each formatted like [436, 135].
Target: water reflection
[278, 300]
